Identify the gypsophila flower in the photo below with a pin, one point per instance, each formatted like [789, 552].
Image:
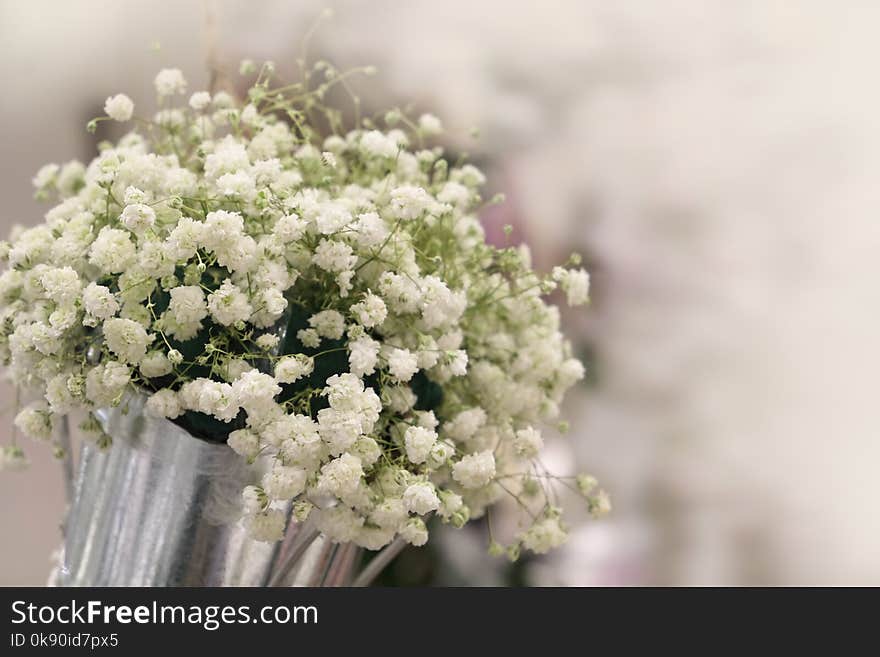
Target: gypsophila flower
[284, 482]
[119, 107]
[326, 305]
[420, 498]
[402, 364]
[528, 442]
[266, 526]
[474, 470]
[138, 218]
[430, 125]
[544, 535]
[575, 284]
[127, 339]
[290, 369]
[170, 81]
[414, 532]
[163, 403]
[200, 100]
[35, 421]
[419, 442]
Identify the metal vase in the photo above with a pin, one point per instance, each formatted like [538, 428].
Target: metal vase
[162, 508]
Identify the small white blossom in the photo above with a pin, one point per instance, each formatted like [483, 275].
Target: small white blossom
[127, 339]
[475, 470]
[284, 482]
[266, 526]
[163, 403]
[371, 311]
[414, 532]
[119, 107]
[430, 124]
[418, 442]
[200, 100]
[290, 369]
[229, 305]
[421, 498]
[528, 442]
[170, 81]
[35, 421]
[402, 364]
[138, 218]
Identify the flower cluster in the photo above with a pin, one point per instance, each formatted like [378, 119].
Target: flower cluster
[325, 304]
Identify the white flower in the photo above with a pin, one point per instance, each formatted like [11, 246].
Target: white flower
[414, 532]
[112, 251]
[170, 81]
[373, 538]
[475, 470]
[455, 194]
[289, 228]
[331, 216]
[155, 364]
[245, 443]
[575, 284]
[528, 442]
[440, 454]
[371, 311]
[341, 476]
[409, 202]
[267, 526]
[389, 513]
[269, 305]
[430, 124]
[138, 218]
[377, 144]
[127, 339]
[544, 535]
[163, 403]
[185, 239]
[119, 107]
[402, 364]
[59, 394]
[200, 100]
[328, 324]
[450, 504]
[267, 341]
[363, 355]
[418, 442]
[187, 305]
[464, 425]
[106, 382]
[339, 429]
[309, 338]
[599, 504]
[334, 256]
[284, 482]
[290, 369]
[45, 176]
[421, 498]
[229, 305]
[62, 285]
[253, 500]
[339, 523]
[35, 421]
[255, 391]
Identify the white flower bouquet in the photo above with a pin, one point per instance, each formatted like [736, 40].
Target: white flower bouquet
[319, 298]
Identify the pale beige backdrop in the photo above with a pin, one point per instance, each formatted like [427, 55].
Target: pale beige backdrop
[717, 163]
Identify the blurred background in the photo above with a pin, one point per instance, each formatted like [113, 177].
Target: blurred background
[713, 161]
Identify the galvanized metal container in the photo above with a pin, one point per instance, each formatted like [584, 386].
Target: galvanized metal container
[162, 508]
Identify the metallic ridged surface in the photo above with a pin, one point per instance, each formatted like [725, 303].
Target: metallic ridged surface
[161, 508]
